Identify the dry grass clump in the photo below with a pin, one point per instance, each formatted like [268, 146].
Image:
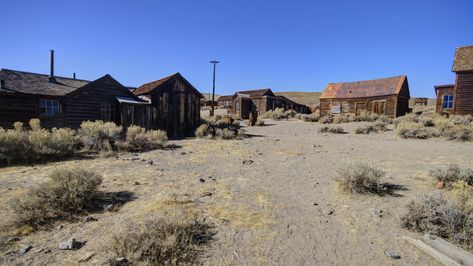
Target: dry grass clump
[372, 128]
[19, 145]
[438, 215]
[162, 242]
[413, 130]
[279, 114]
[140, 139]
[326, 119]
[459, 133]
[452, 174]
[68, 192]
[220, 127]
[100, 135]
[309, 118]
[332, 129]
[360, 178]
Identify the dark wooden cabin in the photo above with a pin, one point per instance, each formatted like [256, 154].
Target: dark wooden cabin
[177, 104]
[386, 96]
[67, 102]
[260, 101]
[458, 98]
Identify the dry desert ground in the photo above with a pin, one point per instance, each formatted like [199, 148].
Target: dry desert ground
[272, 197]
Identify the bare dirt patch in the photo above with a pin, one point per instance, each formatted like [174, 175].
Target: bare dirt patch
[272, 198]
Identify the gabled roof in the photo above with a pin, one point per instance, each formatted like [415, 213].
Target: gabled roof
[226, 98]
[33, 83]
[463, 59]
[289, 100]
[446, 86]
[257, 93]
[366, 88]
[158, 84]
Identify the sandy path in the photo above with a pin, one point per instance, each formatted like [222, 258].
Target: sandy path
[282, 209]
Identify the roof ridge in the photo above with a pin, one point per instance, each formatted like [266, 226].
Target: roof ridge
[39, 74]
[399, 76]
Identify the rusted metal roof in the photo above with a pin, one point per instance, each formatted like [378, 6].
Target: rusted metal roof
[463, 59]
[363, 89]
[226, 98]
[158, 84]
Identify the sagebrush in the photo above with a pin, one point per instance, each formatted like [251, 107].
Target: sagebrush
[360, 178]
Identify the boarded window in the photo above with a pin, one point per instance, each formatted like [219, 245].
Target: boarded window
[107, 111]
[448, 101]
[49, 107]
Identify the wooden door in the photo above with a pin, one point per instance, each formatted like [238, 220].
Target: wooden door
[359, 107]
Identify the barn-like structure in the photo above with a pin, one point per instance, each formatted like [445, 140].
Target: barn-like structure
[260, 101]
[458, 98]
[67, 102]
[386, 96]
[177, 104]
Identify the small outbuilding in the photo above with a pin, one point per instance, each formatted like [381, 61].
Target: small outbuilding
[458, 98]
[177, 104]
[225, 101]
[260, 101]
[385, 96]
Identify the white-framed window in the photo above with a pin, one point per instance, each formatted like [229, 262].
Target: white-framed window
[107, 112]
[448, 101]
[49, 107]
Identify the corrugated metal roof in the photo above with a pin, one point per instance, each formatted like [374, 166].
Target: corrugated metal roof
[257, 93]
[363, 89]
[122, 99]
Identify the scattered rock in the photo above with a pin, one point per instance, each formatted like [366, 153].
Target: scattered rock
[183, 153]
[376, 212]
[107, 207]
[137, 183]
[246, 162]
[143, 160]
[25, 249]
[330, 212]
[207, 194]
[86, 257]
[90, 219]
[440, 185]
[60, 227]
[150, 162]
[391, 255]
[70, 244]
[316, 204]
[201, 180]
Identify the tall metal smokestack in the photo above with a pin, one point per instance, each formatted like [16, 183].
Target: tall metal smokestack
[51, 70]
[74, 75]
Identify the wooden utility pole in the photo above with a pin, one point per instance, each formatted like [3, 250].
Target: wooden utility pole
[215, 62]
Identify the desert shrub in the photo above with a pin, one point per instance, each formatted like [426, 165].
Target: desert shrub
[290, 113]
[367, 116]
[298, 116]
[139, 139]
[360, 178]
[161, 242]
[14, 145]
[68, 192]
[100, 135]
[413, 130]
[332, 129]
[57, 143]
[310, 118]
[385, 119]
[339, 119]
[326, 119]
[366, 129]
[202, 131]
[452, 174]
[462, 192]
[436, 215]
[465, 120]
[406, 118]
[221, 127]
[260, 123]
[459, 132]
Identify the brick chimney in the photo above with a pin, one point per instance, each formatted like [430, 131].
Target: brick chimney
[52, 79]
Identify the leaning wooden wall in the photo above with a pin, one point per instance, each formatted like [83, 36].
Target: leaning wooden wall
[464, 94]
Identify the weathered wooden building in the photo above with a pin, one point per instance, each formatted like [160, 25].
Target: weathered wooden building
[177, 104]
[458, 98]
[67, 102]
[260, 101]
[386, 96]
[225, 101]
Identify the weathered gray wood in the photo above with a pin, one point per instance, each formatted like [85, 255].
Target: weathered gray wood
[445, 260]
[459, 255]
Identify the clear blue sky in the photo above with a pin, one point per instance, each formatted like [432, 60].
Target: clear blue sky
[284, 45]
